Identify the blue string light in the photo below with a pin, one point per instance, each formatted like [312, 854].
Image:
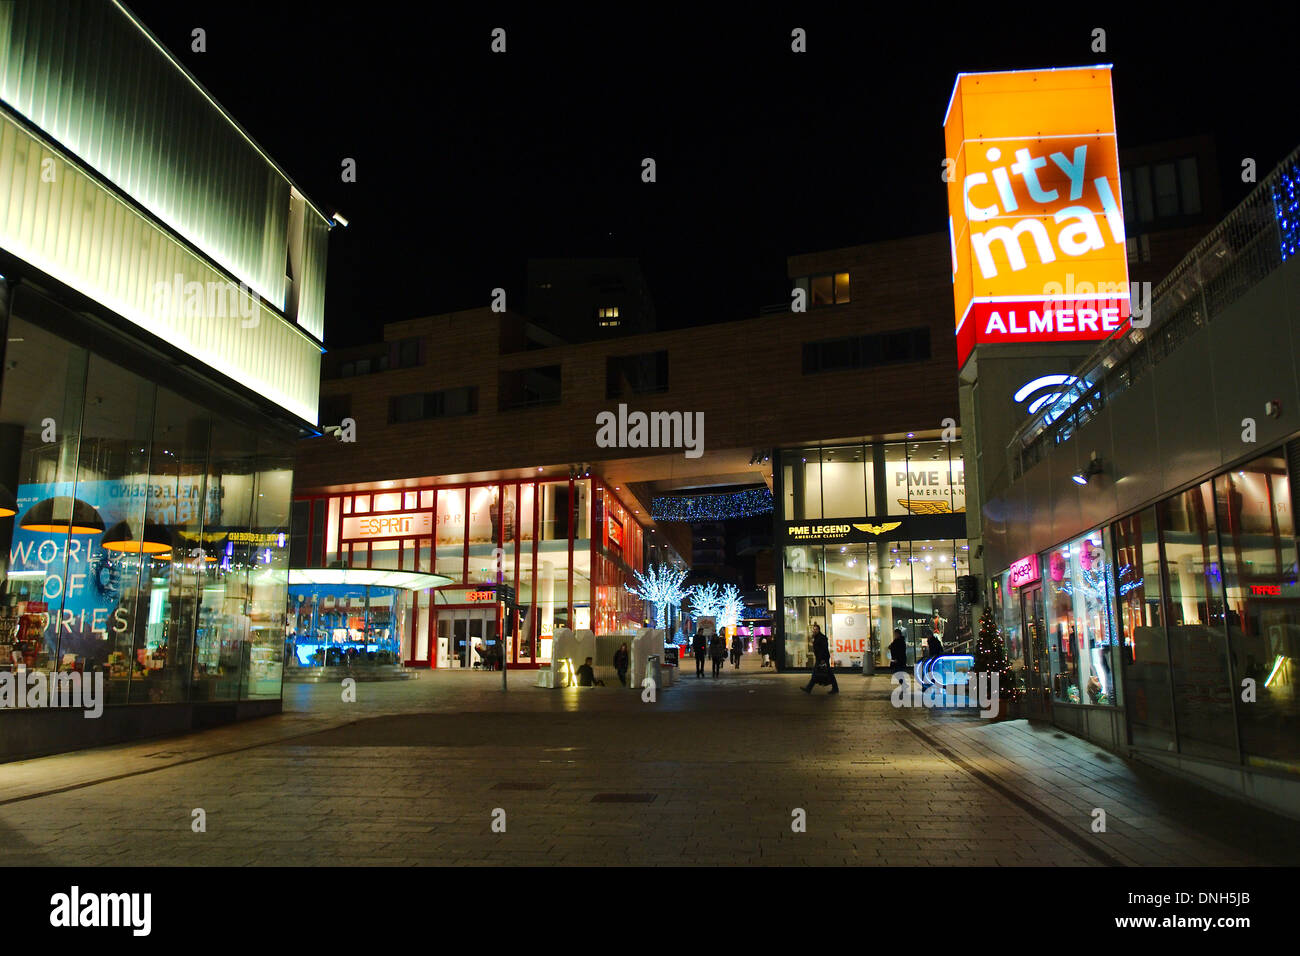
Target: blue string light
[1286, 204]
[737, 504]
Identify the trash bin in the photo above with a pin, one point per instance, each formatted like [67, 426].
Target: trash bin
[654, 670]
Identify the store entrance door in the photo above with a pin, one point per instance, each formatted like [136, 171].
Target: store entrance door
[465, 633]
[1037, 670]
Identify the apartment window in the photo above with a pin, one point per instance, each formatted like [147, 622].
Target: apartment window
[607, 318]
[866, 351]
[825, 290]
[447, 403]
[1162, 191]
[643, 374]
[528, 387]
[1166, 183]
[407, 352]
[403, 353]
[1191, 185]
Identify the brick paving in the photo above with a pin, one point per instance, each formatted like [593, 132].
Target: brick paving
[413, 773]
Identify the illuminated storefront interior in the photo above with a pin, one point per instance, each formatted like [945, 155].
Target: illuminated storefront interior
[523, 558]
[873, 540]
[147, 536]
[350, 617]
[1167, 615]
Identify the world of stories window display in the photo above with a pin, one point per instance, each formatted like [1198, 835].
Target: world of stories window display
[74, 588]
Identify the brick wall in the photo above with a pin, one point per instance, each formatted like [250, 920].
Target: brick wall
[746, 377]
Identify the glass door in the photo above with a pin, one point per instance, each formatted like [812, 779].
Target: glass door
[1037, 670]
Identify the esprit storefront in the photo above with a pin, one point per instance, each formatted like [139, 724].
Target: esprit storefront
[1173, 629]
[524, 558]
[873, 540]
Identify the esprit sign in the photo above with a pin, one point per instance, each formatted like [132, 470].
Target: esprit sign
[1025, 571]
[1034, 217]
[388, 526]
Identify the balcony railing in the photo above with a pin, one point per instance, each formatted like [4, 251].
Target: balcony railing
[1255, 238]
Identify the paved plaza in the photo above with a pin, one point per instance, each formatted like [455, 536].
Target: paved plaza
[430, 771]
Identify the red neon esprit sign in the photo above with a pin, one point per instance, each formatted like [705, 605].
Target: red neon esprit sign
[1025, 571]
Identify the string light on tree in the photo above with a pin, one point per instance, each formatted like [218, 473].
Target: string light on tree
[991, 657]
[661, 585]
[732, 607]
[706, 600]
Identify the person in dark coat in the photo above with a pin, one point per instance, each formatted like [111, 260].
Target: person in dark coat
[737, 649]
[699, 645]
[718, 651]
[898, 652]
[620, 664]
[821, 656]
[587, 676]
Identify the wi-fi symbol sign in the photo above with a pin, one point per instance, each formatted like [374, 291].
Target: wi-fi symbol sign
[1052, 386]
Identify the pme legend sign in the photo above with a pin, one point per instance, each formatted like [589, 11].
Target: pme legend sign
[1034, 215]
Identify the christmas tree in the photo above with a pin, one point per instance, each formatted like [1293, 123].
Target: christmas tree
[991, 657]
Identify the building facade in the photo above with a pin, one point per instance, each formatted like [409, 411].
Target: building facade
[1143, 554]
[872, 539]
[523, 557]
[163, 320]
[862, 367]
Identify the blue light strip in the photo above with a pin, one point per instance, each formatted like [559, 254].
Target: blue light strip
[1286, 205]
[739, 504]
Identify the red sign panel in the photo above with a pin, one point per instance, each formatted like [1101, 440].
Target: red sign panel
[1025, 571]
[613, 533]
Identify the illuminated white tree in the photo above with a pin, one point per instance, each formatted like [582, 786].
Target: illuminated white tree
[661, 585]
[706, 600]
[732, 607]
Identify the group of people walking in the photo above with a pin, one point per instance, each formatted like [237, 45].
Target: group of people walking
[714, 647]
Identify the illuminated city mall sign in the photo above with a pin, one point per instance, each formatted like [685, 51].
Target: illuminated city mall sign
[1034, 217]
[412, 523]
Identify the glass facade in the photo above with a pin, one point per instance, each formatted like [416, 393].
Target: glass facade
[331, 625]
[565, 548]
[1081, 641]
[1184, 614]
[873, 540]
[148, 536]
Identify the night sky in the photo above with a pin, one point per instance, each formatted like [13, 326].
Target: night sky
[470, 162]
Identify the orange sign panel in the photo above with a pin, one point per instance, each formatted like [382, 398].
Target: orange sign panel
[1034, 214]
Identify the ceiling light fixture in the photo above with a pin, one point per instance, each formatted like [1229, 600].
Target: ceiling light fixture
[63, 515]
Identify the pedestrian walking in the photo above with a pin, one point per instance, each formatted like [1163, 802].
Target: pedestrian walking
[822, 673]
[620, 664]
[898, 653]
[718, 651]
[737, 649]
[699, 645]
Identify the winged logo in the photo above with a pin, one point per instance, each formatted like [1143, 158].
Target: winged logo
[878, 528]
[918, 506]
